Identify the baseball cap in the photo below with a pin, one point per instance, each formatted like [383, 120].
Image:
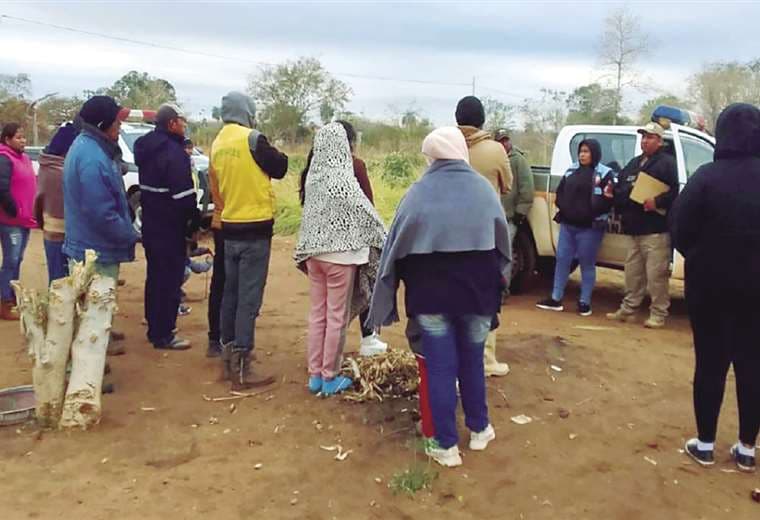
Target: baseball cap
[651, 128]
[167, 112]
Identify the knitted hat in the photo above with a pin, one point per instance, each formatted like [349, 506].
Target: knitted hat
[445, 143]
[100, 111]
[470, 112]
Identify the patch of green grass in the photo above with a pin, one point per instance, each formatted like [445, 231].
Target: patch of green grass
[387, 195]
[412, 480]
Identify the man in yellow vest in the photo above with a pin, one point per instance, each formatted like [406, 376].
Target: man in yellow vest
[242, 166]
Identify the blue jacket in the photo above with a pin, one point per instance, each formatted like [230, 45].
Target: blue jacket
[97, 213]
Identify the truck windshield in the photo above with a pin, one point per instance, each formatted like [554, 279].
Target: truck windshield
[133, 134]
[617, 149]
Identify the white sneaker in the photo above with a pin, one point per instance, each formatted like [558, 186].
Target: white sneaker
[448, 458]
[479, 440]
[372, 346]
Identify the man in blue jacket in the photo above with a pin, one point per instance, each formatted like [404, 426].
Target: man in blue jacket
[170, 214]
[95, 203]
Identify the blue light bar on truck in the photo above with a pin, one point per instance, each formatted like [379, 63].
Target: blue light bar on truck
[665, 115]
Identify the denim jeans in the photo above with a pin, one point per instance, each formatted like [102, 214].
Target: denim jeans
[246, 266]
[13, 240]
[583, 244]
[453, 349]
[57, 263]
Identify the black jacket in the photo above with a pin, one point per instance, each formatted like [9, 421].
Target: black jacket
[167, 194]
[580, 194]
[716, 225]
[636, 221]
[6, 199]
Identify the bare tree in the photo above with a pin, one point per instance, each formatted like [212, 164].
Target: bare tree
[620, 47]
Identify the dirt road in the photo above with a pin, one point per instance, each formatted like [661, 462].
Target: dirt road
[157, 454]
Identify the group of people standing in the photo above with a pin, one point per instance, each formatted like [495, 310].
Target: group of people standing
[449, 243]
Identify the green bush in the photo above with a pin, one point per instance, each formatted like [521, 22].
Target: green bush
[399, 169]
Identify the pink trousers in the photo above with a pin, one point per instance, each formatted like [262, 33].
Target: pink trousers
[331, 291]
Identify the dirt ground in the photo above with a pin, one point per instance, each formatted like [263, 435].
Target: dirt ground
[627, 390]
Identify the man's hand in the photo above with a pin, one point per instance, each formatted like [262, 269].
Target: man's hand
[650, 205]
[608, 191]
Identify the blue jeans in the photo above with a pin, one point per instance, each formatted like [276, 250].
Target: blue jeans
[453, 349]
[57, 263]
[13, 240]
[583, 244]
[246, 266]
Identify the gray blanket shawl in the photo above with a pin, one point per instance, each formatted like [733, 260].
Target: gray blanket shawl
[452, 208]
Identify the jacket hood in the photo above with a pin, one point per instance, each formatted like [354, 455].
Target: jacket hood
[238, 108]
[474, 135]
[151, 142]
[48, 160]
[737, 132]
[595, 148]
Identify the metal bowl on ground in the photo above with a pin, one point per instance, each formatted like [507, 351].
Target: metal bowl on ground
[16, 404]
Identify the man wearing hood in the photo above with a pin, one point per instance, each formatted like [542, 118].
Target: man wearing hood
[48, 204]
[648, 261]
[170, 214]
[717, 230]
[242, 166]
[488, 158]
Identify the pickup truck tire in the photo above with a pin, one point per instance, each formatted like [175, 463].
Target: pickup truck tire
[523, 262]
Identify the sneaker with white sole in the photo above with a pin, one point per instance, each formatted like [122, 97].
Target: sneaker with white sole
[445, 457]
[479, 440]
[550, 304]
[372, 346]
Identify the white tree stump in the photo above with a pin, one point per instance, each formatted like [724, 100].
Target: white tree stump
[50, 378]
[32, 307]
[82, 405]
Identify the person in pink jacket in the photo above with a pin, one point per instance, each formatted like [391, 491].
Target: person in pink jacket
[18, 186]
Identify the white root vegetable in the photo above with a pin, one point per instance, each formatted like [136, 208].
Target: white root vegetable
[82, 405]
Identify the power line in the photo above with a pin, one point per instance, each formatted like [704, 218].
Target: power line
[216, 56]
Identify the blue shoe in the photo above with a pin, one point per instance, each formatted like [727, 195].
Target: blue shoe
[315, 384]
[336, 385]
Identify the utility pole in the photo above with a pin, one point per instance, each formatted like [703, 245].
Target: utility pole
[33, 108]
[473, 85]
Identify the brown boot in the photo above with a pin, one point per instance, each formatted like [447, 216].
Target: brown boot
[9, 311]
[242, 379]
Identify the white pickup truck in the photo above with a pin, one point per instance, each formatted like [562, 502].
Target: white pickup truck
[535, 245]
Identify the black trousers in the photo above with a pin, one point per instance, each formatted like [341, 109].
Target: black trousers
[726, 330]
[217, 288]
[165, 255]
[362, 318]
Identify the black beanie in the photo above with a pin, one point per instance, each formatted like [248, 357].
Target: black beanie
[100, 111]
[470, 112]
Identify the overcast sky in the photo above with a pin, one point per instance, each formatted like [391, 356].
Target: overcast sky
[513, 49]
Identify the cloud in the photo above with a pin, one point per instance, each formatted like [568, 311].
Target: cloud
[513, 49]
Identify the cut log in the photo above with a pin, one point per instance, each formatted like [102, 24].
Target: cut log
[50, 377]
[82, 405]
[32, 307]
